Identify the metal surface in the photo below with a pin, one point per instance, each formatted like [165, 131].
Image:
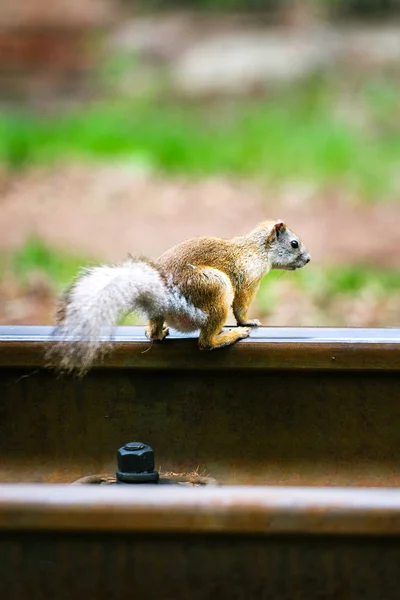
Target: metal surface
[267, 348]
[348, 335]
[229, 510]
[136, 464]
[54, 565]
[287, 407]
[272, 413]
[221, 543]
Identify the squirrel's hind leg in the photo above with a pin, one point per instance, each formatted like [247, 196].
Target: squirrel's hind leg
[215, 299]
[156, 331]
[211, 336]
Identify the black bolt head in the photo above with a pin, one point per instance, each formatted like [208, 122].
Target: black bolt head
[134, 446]
[135, 457]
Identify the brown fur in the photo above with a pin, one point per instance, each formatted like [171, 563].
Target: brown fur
[215, 275]
[190, 287]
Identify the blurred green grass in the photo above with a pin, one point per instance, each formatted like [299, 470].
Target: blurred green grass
[294, 135]
[36, 257]
[324, 284]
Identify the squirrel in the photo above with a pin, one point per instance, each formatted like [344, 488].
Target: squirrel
[190, 287]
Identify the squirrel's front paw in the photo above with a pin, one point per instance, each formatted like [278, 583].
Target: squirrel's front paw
[252, 323]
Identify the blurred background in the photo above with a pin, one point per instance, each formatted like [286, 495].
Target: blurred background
[128, 126]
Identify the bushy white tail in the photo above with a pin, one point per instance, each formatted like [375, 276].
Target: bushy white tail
[96, 301]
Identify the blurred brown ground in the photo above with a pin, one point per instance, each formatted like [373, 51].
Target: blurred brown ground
[107, 211]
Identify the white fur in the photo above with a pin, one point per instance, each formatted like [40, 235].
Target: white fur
[101, 296]
[104, 294]
[182, 314]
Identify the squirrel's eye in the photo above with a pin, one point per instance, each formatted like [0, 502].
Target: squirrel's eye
[294, 244]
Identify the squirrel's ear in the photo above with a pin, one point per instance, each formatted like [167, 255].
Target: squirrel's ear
[276, 229]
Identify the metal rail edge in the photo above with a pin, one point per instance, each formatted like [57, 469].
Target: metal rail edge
[266, 348]
[230, 509]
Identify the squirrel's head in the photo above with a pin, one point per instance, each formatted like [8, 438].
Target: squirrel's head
[285, 249]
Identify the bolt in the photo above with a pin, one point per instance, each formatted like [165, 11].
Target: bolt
[134, 446]
[136, 463]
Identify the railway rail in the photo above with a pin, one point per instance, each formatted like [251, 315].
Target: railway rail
[299, 427]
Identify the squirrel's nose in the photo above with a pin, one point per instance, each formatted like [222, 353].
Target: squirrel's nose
[308, 259]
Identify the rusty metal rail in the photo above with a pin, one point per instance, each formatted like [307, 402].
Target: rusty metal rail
[286, 407]
[301, 426]
[267, 348]
[221, 543]
[229, 510]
